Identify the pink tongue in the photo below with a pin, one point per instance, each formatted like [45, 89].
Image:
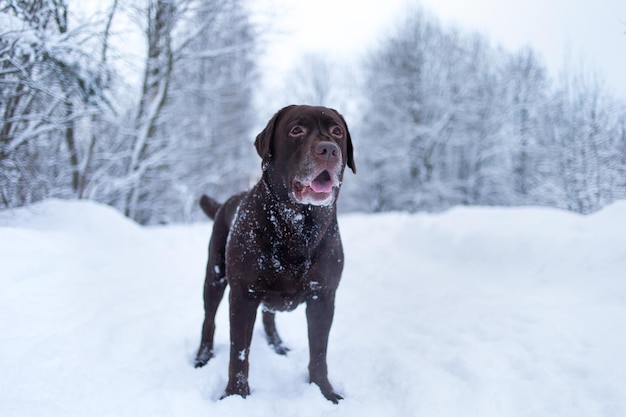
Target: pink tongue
[322, 188]
[322, 184]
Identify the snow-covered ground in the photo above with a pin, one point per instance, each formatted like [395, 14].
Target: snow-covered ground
[474, 312]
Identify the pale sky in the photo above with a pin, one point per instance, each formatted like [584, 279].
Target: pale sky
[589, 32]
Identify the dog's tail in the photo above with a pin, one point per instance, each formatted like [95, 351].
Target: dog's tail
[209, 206]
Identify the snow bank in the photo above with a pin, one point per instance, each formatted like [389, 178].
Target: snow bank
[474, 312]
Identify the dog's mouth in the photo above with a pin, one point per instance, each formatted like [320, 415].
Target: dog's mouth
[318, 190]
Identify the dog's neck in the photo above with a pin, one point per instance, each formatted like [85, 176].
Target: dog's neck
[300, 226]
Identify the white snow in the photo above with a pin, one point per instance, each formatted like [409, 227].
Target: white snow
[474, 312]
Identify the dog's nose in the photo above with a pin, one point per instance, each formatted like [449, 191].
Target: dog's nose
[327, 151]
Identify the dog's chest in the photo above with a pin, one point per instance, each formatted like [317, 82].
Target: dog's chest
[285, 262]
[281, 283]
[277, 254]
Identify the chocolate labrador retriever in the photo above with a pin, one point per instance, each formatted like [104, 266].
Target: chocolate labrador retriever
[278, 245]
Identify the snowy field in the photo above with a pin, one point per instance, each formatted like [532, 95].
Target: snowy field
[474, 312]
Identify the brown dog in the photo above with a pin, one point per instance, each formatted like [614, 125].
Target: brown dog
[278, 244]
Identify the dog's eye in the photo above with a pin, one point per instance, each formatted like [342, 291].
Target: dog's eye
[296, 131]
[336, 132]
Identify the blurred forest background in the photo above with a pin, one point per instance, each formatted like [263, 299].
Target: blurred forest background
[439, 116]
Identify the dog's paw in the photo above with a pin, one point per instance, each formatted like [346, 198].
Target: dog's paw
[238, 387]
[332, 397]
[280, 348]
[203, 356]
[327, 390]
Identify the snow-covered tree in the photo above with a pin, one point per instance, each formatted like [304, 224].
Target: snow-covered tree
[452, 120]
[585, 134]
[48, 82]
[72, 127]
[432, 93]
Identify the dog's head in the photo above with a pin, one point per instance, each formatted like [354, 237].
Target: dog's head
[305, 150]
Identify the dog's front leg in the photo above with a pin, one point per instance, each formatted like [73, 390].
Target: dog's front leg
[319, 312]
[213, 292]
[242, 316]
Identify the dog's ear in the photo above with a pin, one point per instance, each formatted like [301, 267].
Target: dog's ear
[351, 164]
[350, 156]
[263, 142]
